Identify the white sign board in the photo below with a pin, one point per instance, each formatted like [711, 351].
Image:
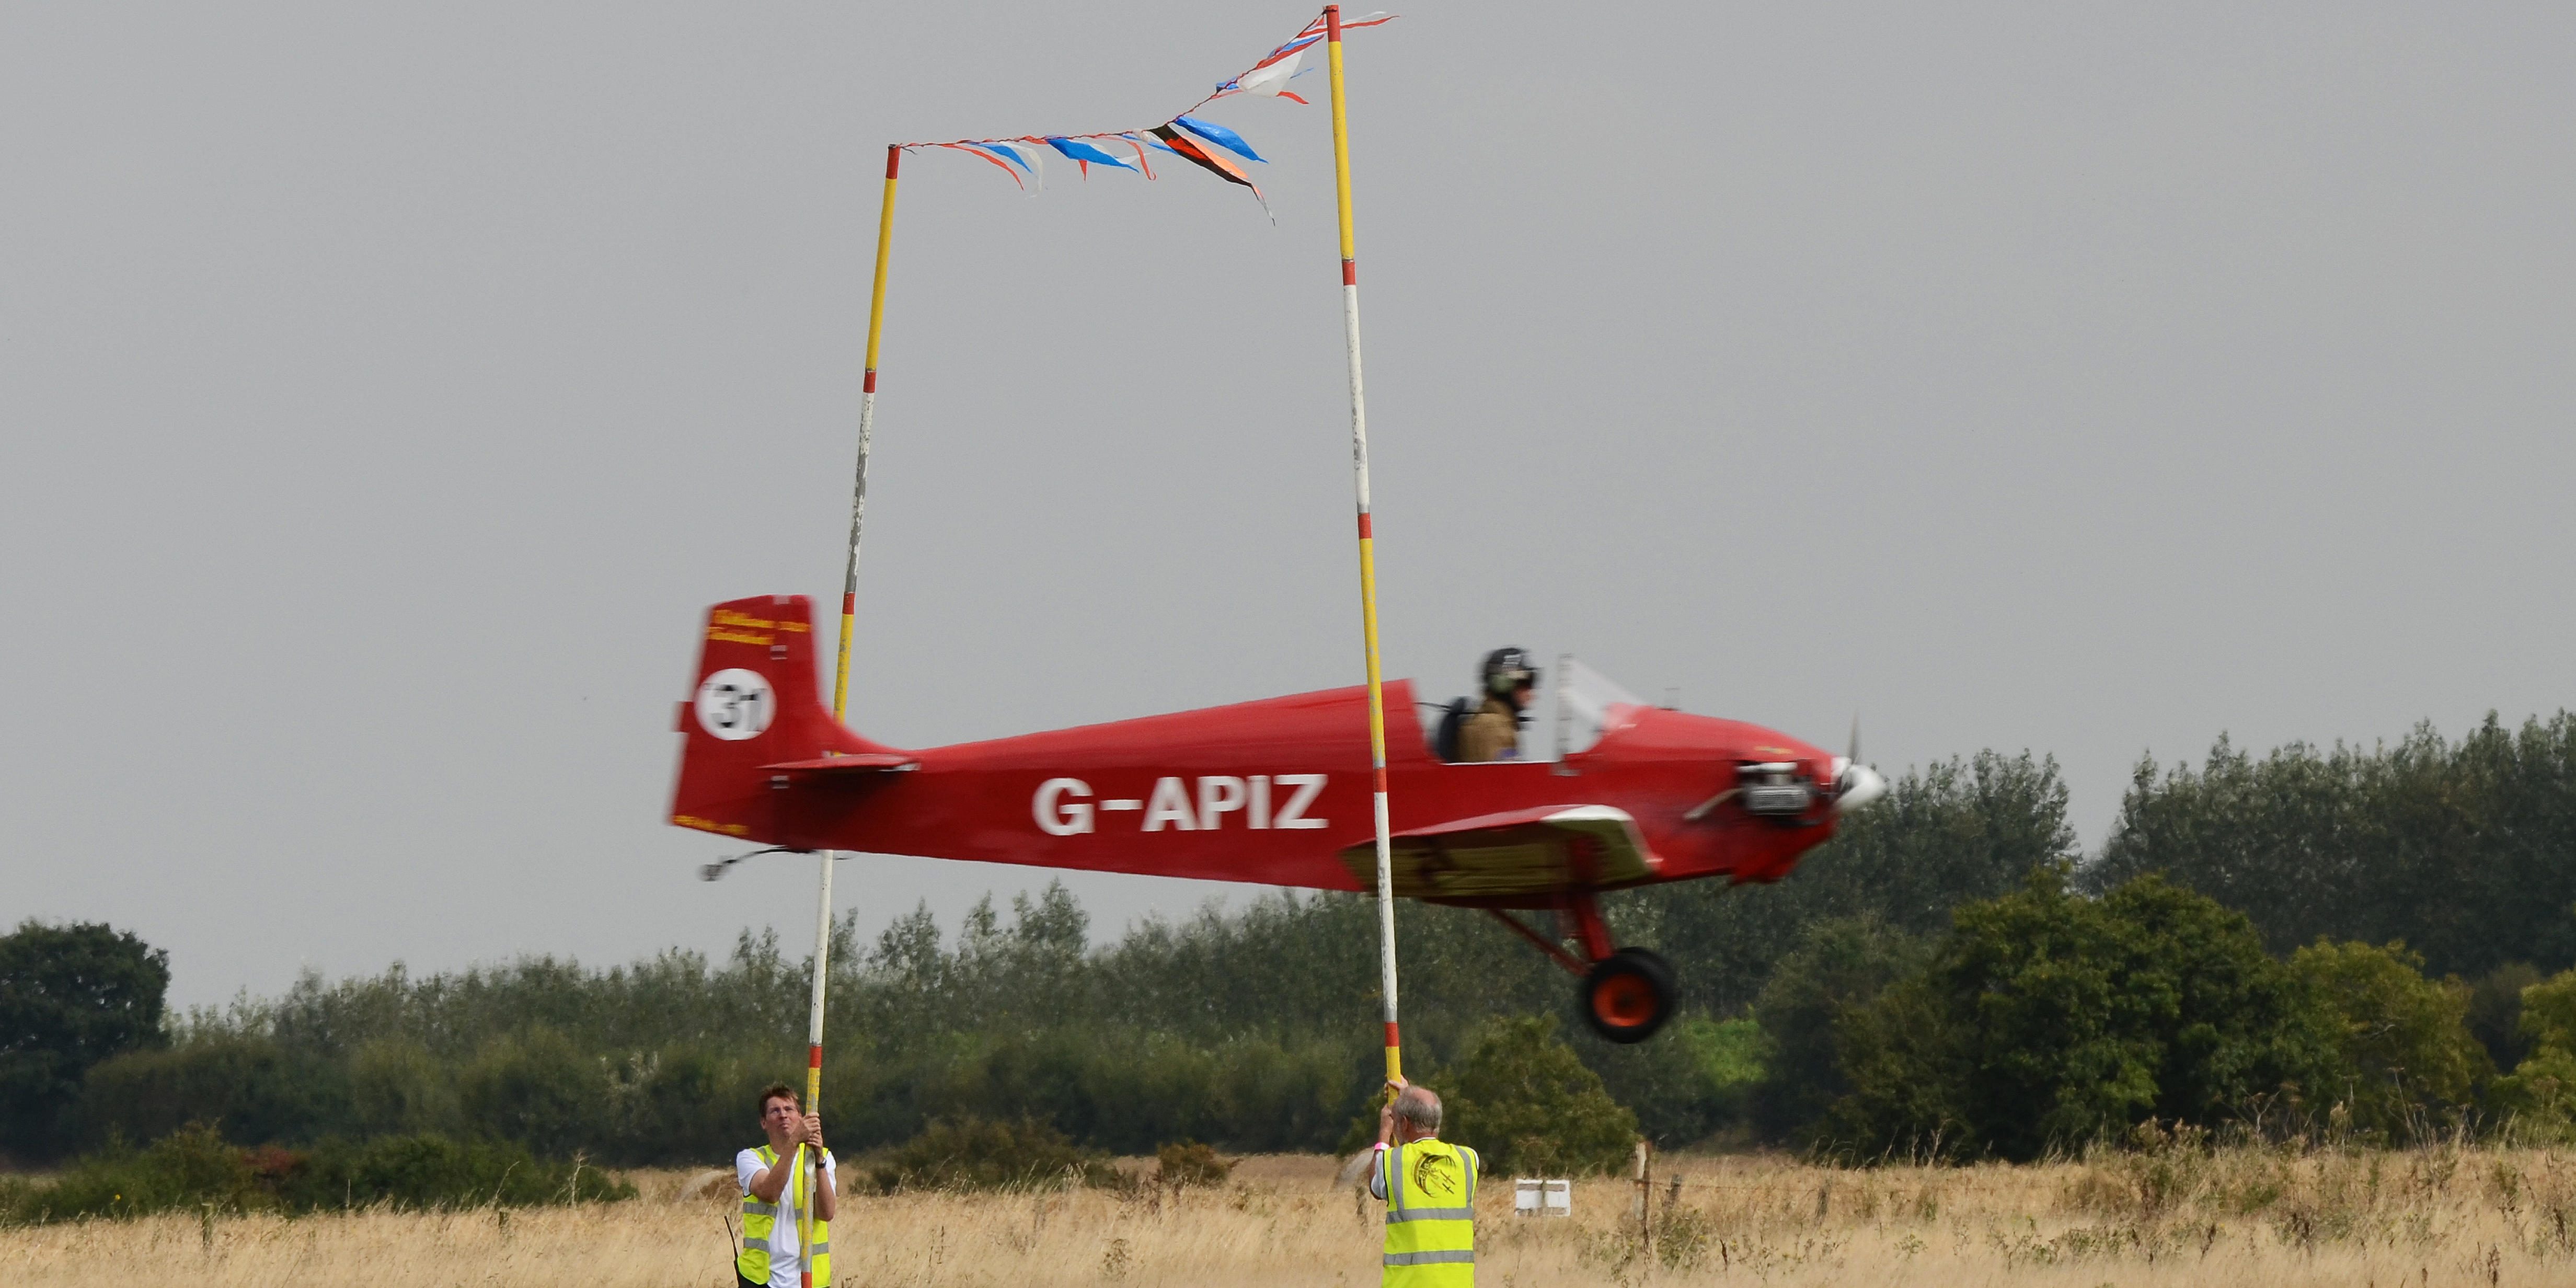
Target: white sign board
[1531, 1197]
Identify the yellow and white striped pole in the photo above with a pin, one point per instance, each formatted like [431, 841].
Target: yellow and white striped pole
[809, 1179]
[1368, 538]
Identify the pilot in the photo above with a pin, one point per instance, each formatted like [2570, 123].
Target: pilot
[1494, 732]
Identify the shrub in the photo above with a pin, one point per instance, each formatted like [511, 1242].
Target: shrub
[1906, 1076]
[2495, 1012]
[2406, 1051]
[70, 996]
[2548, 1018]
[2539, 1098]
[986, 1154]
[536, 1088]
[427, 1171]
[246, 1086]
[684, 1105]
[2048, 1020]
[1279, 1097]
[1524, 1102]
[191, 1167]
[1837, 965]
[397, 1086]
[1186, 1163]
[1115, 1089]
[195, 1168]
[1685, 1085]
[1722, 1063]
[2537, 1101]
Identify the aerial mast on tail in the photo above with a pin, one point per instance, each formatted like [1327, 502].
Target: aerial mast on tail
[1368, 538]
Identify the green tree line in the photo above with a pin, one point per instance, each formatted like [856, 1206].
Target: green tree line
[1950, 973]
[2465, 850]
[2049, 1020]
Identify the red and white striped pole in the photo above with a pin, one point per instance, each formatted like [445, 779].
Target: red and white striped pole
[1368, 539]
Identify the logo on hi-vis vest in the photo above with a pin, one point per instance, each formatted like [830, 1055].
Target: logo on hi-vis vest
[1064, 806]
[1434, 1177]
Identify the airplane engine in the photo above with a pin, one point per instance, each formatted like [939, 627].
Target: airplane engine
[1774, 789]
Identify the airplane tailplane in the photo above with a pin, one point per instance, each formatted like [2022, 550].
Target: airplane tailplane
[755, 716]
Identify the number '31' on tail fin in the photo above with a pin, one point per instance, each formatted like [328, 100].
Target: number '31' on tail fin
[755, 720]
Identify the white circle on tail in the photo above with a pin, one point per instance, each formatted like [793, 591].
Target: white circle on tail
[734, 704]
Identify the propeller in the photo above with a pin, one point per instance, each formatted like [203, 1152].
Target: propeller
[1857, 784]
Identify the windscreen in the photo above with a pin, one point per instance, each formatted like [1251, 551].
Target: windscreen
[1583, 701]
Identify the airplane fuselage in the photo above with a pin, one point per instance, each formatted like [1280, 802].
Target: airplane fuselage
[1275, 791]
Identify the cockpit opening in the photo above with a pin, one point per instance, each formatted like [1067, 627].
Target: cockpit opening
[1562, 711]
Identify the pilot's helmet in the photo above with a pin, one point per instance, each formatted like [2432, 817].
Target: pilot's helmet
[1507, 671]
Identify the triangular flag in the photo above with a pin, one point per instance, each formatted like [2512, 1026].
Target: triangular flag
[1220, 136]
[1204, 157]
[1271, 81]
[1088, 154]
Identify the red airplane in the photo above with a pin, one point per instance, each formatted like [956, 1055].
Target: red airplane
[1275, 792]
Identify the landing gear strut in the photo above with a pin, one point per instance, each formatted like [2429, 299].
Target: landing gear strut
[1626, 993]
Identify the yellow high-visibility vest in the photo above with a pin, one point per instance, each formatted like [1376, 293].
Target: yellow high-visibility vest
[1430, 1215]
[760, 1222]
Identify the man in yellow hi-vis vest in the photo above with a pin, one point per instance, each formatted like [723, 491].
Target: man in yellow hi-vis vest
[1430, 1190]
[775, 1177]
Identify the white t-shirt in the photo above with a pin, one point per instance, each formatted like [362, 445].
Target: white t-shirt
[786, 1255]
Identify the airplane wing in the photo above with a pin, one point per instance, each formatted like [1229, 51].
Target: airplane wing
[1519, 852]
[864, 762]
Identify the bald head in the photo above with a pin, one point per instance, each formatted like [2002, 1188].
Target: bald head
[1417, 1110]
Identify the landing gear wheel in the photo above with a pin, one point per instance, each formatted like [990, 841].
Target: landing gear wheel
[1628, 995]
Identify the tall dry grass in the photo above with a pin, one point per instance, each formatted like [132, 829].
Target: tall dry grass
[2455, 1216]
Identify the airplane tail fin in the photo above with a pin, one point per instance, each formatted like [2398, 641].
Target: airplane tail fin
[756, 718]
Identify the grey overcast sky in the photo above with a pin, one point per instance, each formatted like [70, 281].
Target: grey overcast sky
[385, 391]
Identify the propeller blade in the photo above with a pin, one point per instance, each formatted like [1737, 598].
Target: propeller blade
[1855, 741]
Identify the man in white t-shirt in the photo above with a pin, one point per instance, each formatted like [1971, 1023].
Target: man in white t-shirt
[772, 1256]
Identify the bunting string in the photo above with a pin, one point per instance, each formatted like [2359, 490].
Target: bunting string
[1202, 143]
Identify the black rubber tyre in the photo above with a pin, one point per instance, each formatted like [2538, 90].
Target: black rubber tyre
[1628, 995]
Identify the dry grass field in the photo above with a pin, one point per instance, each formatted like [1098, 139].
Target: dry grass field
[2423, 1218]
